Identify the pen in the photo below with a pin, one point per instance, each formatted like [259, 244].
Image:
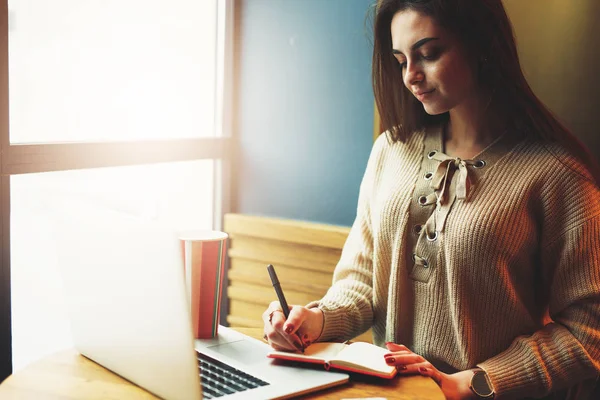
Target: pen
[277, 286]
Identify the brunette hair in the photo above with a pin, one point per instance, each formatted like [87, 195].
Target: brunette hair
[486, 32]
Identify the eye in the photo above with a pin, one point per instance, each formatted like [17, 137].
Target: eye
[431, 55]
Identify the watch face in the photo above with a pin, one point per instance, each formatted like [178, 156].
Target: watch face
[481, 385]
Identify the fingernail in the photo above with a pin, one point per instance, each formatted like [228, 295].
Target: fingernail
[390, 360]
[401, 367]
[423, 370]
[289, 329]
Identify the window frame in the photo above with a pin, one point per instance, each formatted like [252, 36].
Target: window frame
[45, 157]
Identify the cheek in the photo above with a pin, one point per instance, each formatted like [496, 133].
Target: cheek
[455, 78]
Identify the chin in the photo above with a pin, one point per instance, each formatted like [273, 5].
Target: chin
[432, 109]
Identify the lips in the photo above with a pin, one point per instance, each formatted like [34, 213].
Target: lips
[423, 94]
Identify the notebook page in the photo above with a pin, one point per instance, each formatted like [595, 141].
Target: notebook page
[365, 355]
[320, 351]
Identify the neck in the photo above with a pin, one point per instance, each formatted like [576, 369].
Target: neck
[466, 129]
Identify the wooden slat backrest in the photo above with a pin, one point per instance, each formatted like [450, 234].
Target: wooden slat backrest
[304, 255]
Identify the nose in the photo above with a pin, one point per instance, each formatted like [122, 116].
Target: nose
[413, 74]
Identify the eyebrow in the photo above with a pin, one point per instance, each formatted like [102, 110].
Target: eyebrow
[417, 44]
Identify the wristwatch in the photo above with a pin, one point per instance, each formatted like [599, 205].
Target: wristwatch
[481, 385]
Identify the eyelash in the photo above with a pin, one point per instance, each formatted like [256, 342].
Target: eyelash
[431, 57]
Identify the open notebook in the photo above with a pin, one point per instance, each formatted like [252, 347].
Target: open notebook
[360, 357]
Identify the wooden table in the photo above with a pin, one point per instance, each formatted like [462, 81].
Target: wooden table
[69, 375]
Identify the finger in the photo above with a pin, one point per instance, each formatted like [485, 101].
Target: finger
[414, 368]
[281, 347]
[284, 342]
[395, 347]
[282, 335]
[275, 324]
[268, 315]
[273, 320]
[424, 368]
[305, 338]
[296, 325]
[397, 353]
[270, 326]
[276, 319]
[431, 372]
[295, 319]
[273, 306]
[274, 315]
[301, 344]
[404, 359]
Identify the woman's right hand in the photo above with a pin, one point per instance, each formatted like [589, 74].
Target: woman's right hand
[302, 327]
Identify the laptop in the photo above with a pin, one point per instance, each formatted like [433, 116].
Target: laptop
[124, 288]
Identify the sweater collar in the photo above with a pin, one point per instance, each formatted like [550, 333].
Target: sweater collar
[454, 178]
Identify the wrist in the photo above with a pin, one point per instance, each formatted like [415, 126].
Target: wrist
[318, 323]
[463, 384]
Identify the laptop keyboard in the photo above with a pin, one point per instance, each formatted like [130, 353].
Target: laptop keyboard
[219, 379]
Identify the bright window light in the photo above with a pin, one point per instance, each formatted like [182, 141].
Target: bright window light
[99, 70]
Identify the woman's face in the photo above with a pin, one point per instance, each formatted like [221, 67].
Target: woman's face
[435, 67]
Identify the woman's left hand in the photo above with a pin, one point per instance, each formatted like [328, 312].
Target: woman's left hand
[454, 386]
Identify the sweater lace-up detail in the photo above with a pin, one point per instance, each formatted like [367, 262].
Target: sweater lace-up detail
[450, 181]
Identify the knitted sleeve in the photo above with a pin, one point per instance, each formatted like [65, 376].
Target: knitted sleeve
[347, 306]
[567, 350]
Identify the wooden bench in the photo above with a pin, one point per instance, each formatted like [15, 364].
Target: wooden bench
[303, 253]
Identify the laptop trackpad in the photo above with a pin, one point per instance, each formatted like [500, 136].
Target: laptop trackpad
[243, 351]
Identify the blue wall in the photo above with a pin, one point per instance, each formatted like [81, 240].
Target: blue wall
[304, 112]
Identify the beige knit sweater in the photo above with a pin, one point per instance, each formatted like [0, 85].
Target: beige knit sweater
[492, 262]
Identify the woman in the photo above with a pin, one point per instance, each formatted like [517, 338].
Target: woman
[475, 253]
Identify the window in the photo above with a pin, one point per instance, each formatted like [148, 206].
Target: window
[114, 106]
[100, 70]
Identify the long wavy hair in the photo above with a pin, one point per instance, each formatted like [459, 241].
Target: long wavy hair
[487, 34]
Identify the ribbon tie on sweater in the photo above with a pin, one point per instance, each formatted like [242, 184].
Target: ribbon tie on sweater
[449, 169]
[444, 173]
